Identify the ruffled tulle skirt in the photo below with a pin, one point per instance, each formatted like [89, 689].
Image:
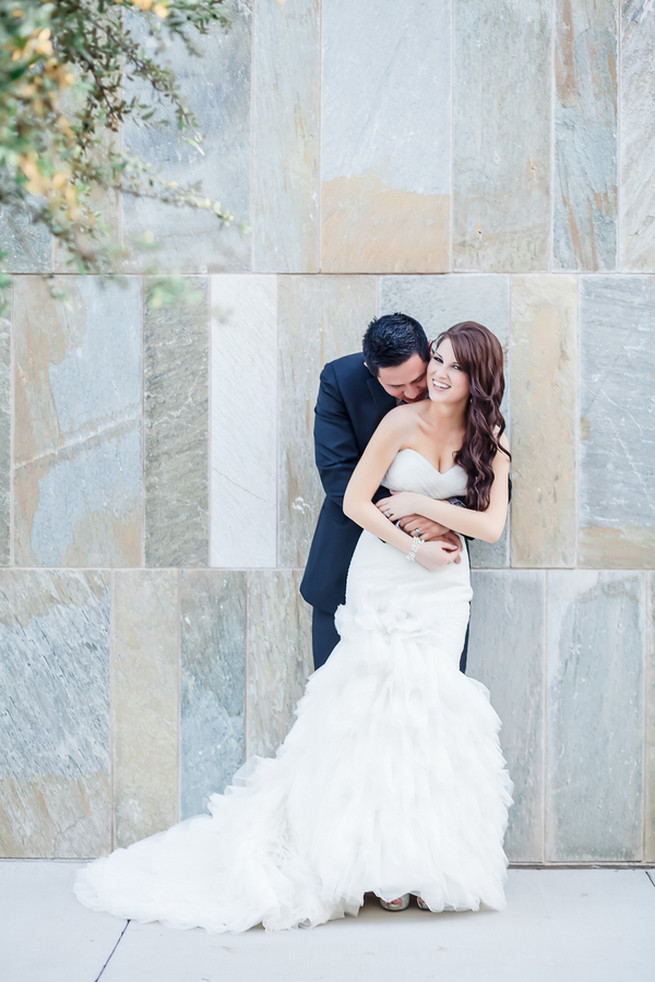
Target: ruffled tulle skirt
[391, 780]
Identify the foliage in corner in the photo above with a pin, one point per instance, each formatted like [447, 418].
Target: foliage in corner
[63, 66]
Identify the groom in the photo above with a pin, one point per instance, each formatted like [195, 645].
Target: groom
[355, 392]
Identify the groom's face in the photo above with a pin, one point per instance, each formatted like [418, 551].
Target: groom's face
[407, 381]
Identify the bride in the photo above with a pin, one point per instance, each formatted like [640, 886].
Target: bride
[391, 779]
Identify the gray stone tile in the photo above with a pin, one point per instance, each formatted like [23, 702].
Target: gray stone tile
[506, 652]
[5, 432]
[28, 246]
[177, 430]
[286, 105]
[501, 135]
[649, 789]
[279, 657]
[244, 420]
[438, 302]
[617, 407]
[77, 444]
[145, 703]
[544, 377]
[585, 135]
[213, 658]
[55, 781]
[595, 716]
[320, 318]
[637, 137]
[385, 136]
[217, 88]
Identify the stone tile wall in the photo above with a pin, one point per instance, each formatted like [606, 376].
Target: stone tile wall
[460, 159]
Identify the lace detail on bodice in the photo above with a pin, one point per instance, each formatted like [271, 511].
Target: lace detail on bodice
[411, 471]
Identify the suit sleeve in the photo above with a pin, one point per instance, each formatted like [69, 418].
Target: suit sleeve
[335, 445]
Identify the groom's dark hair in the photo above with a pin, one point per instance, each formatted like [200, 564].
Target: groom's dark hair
[392, 339]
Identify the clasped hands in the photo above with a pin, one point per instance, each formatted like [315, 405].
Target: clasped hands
[401, 507]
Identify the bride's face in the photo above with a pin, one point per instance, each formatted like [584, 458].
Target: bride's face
[447, 382]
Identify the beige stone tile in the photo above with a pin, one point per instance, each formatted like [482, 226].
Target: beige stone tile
[543, 376]
[369, 227]
[320, 318]
[279, 657]
[145, 702]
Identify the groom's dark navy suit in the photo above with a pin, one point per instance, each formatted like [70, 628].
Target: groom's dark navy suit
[351, 402]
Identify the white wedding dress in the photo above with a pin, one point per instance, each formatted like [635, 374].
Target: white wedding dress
[391, 779]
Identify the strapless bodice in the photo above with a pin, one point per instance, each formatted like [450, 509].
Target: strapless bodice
[411, 471]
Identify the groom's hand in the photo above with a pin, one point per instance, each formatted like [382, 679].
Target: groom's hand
[431, 532]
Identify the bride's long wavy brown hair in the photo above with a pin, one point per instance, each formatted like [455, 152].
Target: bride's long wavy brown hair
[479, 354]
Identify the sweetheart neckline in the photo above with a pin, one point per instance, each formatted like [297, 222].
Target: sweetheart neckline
[429, 462]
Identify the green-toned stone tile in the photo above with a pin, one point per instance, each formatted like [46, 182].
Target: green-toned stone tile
[649, 790]
[244, 423]
[145, 702]
[77, 445]
[216, 87]
[28, 247]
[506, 652]
[617, 408]
[213, 653]
[595, 716]
[177, 428]
[501, 135]
[438, 302]
[286, 82]
[585, 135]
[385, 136]
[637, 137]
[5, 429]
[279, 657]
[55, 777]
[320, 318]
[544, 374]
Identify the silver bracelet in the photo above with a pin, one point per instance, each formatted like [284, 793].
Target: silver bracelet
[416, 544]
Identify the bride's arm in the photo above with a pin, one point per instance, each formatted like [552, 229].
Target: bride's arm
[357, 504]
[487, 525]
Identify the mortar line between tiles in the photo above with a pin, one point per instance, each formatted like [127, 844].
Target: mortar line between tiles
[553, 102]
[648, 631]
[451, 155]
[251, 173]
[143, 422]
[210, 417]
[246, 605]
[319, 196]
[12, 423]
[577, 448]
[544, 723]
[112, 952]
[619, 89]
[179, 582]
[112, 706]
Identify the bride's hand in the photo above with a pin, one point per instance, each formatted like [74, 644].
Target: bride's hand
[435, 555]
[398, 505]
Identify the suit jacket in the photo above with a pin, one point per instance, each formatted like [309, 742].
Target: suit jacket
[350, 404]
